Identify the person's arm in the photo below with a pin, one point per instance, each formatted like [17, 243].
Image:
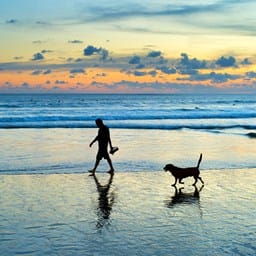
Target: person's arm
[109, 139]
[96, 138]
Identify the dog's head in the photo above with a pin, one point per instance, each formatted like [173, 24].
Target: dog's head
[168, 167]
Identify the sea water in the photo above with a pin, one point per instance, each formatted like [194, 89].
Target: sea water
[209, 112]
[50, 133]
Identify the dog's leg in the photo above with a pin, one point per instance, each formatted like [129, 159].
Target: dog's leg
[174, 182]
[195, 177]
[201, 179]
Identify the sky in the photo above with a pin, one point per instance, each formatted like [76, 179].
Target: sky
[128, 46]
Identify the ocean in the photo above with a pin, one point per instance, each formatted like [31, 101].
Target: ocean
[206, 112]
[45, 133]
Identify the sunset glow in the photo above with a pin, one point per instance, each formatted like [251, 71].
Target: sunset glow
[128, 46]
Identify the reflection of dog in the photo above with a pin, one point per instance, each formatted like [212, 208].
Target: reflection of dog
[181, 173]
[180, 197]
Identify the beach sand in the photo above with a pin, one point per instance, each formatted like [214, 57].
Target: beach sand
[139, 213]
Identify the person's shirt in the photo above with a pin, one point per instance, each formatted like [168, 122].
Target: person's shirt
[103, 136]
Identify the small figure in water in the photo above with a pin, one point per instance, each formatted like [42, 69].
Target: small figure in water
[103, 139]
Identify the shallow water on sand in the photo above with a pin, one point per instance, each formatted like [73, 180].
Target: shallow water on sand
[135, 213]
[67, 150]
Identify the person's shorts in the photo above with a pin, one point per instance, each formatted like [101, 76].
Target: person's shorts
[102, 154]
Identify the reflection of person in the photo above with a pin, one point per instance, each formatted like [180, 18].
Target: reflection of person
[103, 139]
[105, 201]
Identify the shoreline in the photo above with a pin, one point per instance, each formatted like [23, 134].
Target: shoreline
[67, 150]
[75, 172]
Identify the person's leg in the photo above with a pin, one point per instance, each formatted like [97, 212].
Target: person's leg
[95, 165]
[110, 165]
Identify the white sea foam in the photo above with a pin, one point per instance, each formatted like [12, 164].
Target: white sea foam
[128, 111]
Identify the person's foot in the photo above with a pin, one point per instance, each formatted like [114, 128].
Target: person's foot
[92, 172]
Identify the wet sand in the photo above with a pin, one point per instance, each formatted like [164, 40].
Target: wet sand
[49, 151]
[135, 213]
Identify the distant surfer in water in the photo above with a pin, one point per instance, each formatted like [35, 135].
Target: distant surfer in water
[103, 139]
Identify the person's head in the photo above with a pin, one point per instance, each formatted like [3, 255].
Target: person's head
[99, 122]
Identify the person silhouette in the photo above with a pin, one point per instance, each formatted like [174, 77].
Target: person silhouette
[103, 139]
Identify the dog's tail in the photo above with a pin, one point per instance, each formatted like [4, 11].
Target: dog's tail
[199, 161]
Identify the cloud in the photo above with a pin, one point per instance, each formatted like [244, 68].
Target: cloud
[140, 66]
[38, 56]
[77, 71]
[251, 74]
[74, 60]
[154, 54]
[156, 87]
[135, 65]
[152, 73]
[69, 64]
[18, 57]
[246, 61]
[213, 77]
[92, 50]
[221, 78]
[60, 82]
[70, 59]
[46, 72]
[195, 13]
[103, 54]
[39, 42]
[187, 71]
[11, 21]
[39, 72]
[36, 72]
[118, 11]
[167, 70]
[11, 88]
[226, 61]
[194, 63]
[41, 23]
[197, 16]
[134, 60]
[101, 75]
[75, 42]
[140, 73]
[25, 85]
[46, 51]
